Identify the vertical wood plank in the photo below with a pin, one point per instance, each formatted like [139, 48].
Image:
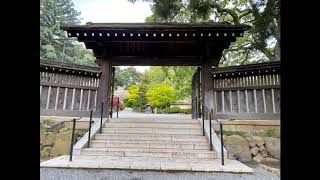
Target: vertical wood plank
[40, 91]
[264, 101]
[65, 98]
[72, 101]
[230, 100]
[255, 100]
[247, 104]
[238, 96]
[80, 99]
[95, 101]
[88, 100]
[273, 104]
[215, 101]
[48, 97]
[222, 98]
[57, 97]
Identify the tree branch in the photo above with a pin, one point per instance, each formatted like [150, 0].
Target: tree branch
[232, 13]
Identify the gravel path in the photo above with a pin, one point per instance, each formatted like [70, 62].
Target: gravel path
[84, 174]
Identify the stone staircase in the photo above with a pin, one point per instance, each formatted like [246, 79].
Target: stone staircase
[164, 139]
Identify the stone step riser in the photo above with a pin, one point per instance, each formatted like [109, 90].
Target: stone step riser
[153, 121]
[152, 154]
[150, 142]
[151, 125]
[152, 138]
[160, 146]
[151, 131]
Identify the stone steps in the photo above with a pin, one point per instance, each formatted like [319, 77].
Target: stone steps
[182, 121]
[151, 137]
[151, 125]
[157, 153]
[172, 131]
[149, 144]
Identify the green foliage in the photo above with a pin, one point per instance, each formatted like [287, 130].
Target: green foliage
[53, 44]
[271, 132]
[132, 99]
[161, 96]
[126, 77]
[170, 110]
[263, 16]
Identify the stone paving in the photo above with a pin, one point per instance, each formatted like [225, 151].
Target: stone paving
[142, 163]
[108, 174]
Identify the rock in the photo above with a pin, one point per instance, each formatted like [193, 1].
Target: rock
[236, 144]
[258, 158]
[273, 146]
[259, 140]
[254, 150]
[51, 125]
[42, 137]
[44, 154]
[47, 149]
[251, 141]
[49, 139]
[62, 144]
[264, 153]
[262, 148]
[269, 159]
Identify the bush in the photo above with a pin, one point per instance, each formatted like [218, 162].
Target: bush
[170, 110]
[271, 132]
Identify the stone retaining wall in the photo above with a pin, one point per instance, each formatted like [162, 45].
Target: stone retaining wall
[55, 137]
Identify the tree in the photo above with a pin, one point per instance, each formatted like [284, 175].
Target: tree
[133, 98]
[261, 43]
[126, 77]
[161, 96]
[53, 44]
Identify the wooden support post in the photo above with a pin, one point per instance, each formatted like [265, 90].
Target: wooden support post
[207, 85]
[230, 100]
[81, 93]
[104, 85]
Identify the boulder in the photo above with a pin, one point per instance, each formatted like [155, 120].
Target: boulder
[47, 149]
[42, 137]
[258, 158]
[273, 146]
[49, 139]
[251, 141]
[264, 153]
[44, 154]
[62, 144]
[254, 150]
[236, 144]
[259, 140]
[51, 125]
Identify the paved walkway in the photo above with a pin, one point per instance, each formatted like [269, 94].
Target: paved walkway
[128, 113]
[105, 174]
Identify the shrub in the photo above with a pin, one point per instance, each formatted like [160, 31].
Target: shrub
[170, 110]
[271, 132]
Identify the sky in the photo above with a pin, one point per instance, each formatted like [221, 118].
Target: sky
[110, 11]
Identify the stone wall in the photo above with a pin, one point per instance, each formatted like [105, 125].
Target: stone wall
[55, 137]
[247, 147]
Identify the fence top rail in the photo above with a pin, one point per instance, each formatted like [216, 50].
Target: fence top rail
[247, 70]
[52, 66]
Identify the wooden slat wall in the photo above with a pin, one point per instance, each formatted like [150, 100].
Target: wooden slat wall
[253, 94]
[69, 93]
[245, 92]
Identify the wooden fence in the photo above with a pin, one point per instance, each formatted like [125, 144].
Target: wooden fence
[68, 90]
[247, 91]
